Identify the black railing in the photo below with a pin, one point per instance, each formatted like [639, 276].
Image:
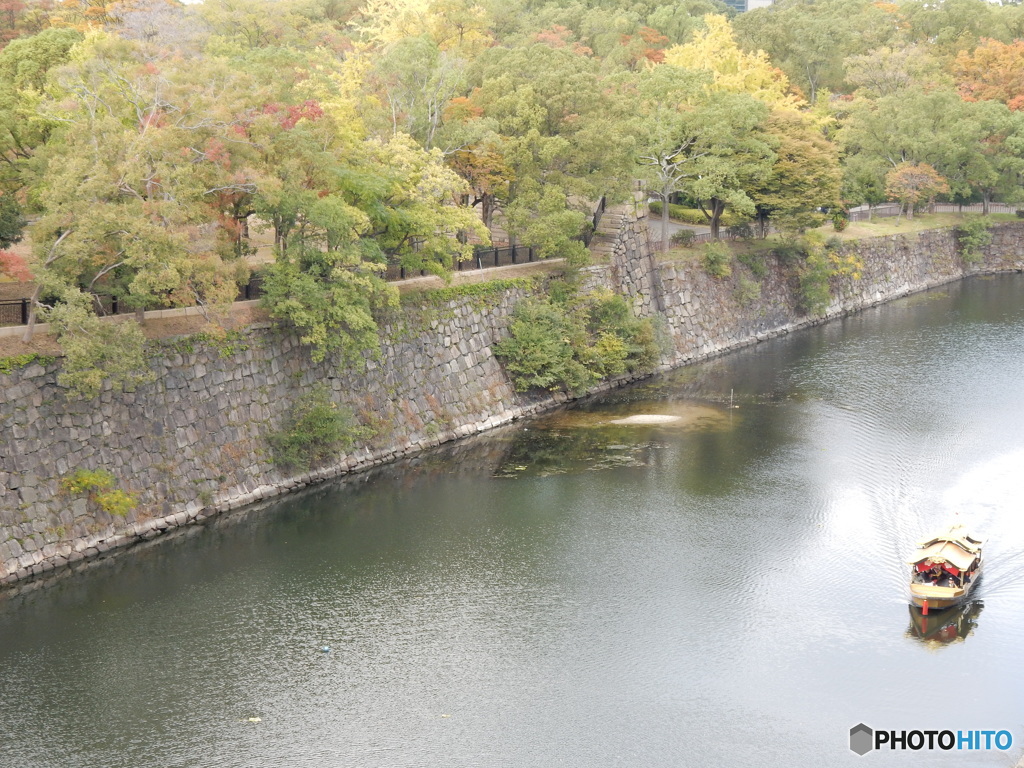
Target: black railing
[14, 311]
[595, 221]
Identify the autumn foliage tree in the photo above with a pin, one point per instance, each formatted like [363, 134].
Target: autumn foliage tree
[992, 71]
[910, 183]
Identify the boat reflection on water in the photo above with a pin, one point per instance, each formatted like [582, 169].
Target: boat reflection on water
[944, 627]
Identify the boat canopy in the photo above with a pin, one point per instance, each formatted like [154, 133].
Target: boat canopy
[955, 547]
[943, 552]
[958, 535]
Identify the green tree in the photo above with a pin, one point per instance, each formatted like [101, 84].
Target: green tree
[740, 158]
[562, 133]
[126, 184]
[972, 144]
[809, 40]
[24, 65]
[12, 222]
[385, 202]
[415, 81]
[806, 174]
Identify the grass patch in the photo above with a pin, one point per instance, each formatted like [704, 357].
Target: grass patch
[887, 226]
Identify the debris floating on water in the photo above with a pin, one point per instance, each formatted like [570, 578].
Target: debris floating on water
[325, 649]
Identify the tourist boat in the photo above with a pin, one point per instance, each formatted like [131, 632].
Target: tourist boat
[946, 568]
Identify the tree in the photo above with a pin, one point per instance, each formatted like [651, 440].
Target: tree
[460, 26]
[732, 70]
[96, 350]
[679, 154]
[126, 185]
[251, 25]
[966, 142]
[886, 71]
[741, 157]
[993, 70]
[951, 26]
[909, 183]
[24, 66]
[671, 140]
[806, 174]
[163, 24]
[13, 265]
[385, 201]
[12, 222]
[416, 81]
[809, 40]
[563, 133]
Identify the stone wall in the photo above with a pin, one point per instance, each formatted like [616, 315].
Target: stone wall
[194, 443]
[707, 316]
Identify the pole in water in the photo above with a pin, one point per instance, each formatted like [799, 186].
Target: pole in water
[730, 398]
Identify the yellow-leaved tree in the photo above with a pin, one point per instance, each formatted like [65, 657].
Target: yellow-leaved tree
[461, 26]
[732, 69]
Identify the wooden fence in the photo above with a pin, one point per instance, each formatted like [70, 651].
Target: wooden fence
[865, 212]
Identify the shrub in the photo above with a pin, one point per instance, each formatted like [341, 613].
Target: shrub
[840, 220]
[539, 352]
[98, 486]
[717, 259]
[610, 313]
[789, 252]
[814, 275]
[316, 428]
[741, 231]
[683, 237]
[972, 236]
[1020, 213]
[747, 292]
[573, 344]
[693, 215]
[754, 261]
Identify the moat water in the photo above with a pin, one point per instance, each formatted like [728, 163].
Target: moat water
[725, 586]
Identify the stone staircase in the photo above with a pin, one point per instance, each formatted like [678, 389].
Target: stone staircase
[608, 230]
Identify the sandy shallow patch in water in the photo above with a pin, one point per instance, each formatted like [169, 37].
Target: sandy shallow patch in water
[647, 418]
[685, 415]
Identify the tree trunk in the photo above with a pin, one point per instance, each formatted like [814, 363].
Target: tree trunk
[986, 202]
[664, 223]
[31, 326]
[910, 212]
[487, 209]
[717, 209]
